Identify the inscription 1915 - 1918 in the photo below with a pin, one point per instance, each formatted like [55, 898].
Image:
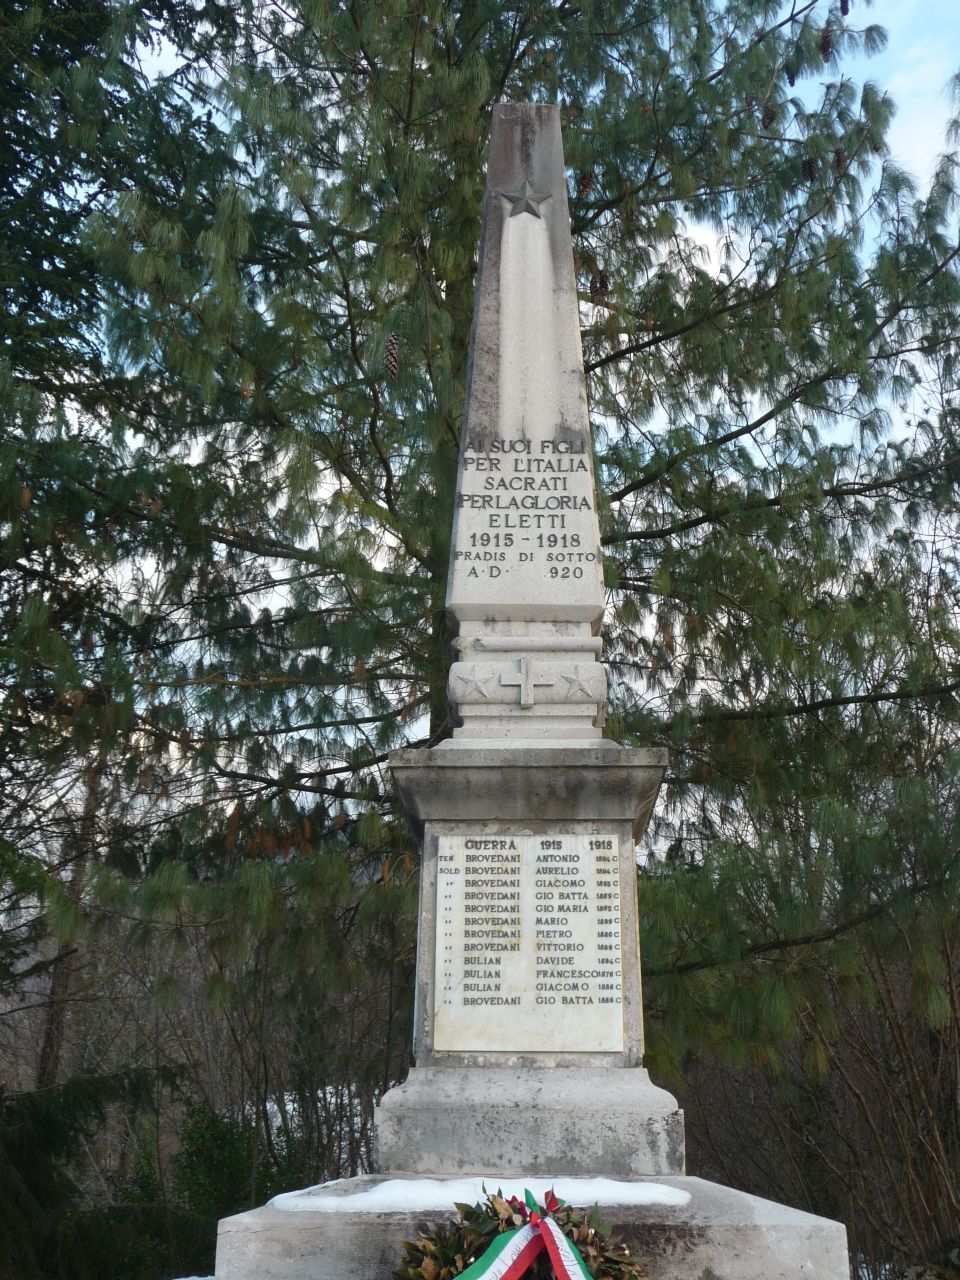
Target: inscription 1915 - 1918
[528, 944]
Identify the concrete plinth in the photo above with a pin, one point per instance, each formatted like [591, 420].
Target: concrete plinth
[719, 1234]
[446, 1122]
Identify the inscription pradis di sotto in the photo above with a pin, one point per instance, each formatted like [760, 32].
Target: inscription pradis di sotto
[527, 505]
[528, 944]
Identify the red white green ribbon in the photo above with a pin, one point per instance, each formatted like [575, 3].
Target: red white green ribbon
[511, 1254]
[567, 1263]
[508, 1257]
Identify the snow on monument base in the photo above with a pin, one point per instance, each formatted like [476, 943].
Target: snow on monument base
[687, 1229]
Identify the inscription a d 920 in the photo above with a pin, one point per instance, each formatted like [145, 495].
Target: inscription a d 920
[528, 944]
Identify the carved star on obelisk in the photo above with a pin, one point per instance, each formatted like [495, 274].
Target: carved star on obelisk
[525, 200]
[472, 680]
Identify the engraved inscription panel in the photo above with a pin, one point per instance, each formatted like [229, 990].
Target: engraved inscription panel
[526, 517]
[528, 944]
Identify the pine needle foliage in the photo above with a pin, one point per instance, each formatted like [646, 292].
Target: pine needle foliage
[52, 1230]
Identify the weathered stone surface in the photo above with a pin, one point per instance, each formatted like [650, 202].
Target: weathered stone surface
[720, 1234]
[571, 784]
[526, 546]
[537, 684]
[525, 592]
[575, 1121]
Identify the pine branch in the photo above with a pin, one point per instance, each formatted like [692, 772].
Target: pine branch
[838, 492]
[785, 710]
[811, 939]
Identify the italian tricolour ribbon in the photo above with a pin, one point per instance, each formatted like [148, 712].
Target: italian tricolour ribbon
[513, 1251]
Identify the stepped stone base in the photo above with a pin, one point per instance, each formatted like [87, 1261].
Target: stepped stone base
[450, 1121]
[719, 1234]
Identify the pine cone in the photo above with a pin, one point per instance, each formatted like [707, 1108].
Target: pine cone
[791, 72]
[810, 169]
[844, 7]
[584, 184]
[840, 159]
[391, 356]
[599, 286]
[767, 116]
[825, 44]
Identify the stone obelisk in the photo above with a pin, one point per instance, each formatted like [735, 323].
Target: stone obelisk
[528, 1026]
[529, 966]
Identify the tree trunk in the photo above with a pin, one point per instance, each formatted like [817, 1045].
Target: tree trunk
[65, 966]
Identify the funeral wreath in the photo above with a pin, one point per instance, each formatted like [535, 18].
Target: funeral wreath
[507, 1239]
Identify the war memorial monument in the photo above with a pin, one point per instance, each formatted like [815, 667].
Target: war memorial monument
[528, 1037]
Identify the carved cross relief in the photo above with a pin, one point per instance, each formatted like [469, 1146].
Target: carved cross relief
[526, 681]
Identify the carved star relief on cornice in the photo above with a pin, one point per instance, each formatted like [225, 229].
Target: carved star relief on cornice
[471, 681]
[525, 200]
[577, 684]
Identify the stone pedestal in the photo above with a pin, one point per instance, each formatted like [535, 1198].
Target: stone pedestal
[529, 1053]
[716, 1234]
[543, 1121]
[527, 860]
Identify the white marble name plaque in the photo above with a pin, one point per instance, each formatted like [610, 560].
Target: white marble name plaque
[528, 944]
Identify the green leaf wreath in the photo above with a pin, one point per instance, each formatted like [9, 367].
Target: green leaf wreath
[451, 1247]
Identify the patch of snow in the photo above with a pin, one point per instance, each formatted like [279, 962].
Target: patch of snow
[415, 1195]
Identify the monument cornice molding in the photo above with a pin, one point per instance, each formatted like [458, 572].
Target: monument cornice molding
[602, 783]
